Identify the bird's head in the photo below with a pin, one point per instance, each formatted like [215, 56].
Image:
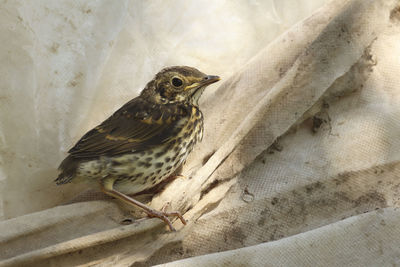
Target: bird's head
[178, 84]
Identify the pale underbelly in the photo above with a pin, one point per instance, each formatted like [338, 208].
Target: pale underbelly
[140, 171]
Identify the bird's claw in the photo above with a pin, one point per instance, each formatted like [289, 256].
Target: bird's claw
[164, 216]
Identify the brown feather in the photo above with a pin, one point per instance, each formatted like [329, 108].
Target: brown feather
[130, 129]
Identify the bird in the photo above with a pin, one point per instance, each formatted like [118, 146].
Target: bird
[145, 141]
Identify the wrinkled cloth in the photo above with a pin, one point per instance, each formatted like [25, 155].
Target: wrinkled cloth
[300, 142]
[375, 235]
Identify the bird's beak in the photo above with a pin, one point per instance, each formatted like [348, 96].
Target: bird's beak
[209, 79]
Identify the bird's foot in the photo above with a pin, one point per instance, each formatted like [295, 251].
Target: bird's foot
[163, 215]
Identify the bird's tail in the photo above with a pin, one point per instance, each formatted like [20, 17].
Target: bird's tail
[67, 170]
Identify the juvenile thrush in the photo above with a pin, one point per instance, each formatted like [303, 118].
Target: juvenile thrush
[145, 141]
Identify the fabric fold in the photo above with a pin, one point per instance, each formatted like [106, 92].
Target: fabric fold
[276, 162]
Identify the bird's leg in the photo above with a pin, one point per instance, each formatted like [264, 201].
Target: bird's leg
[178, 173]
[176, 176]
[107, 187]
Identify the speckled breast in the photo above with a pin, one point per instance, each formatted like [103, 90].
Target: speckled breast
[140, 171]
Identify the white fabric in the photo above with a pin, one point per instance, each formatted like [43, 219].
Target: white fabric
[365, 240]
[266, 183]
[67, 65]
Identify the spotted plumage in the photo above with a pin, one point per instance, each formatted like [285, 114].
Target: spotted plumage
[145, 141]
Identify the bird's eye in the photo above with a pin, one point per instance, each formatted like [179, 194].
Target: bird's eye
[176, 82]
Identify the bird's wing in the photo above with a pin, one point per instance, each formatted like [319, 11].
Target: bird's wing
[135, 127]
